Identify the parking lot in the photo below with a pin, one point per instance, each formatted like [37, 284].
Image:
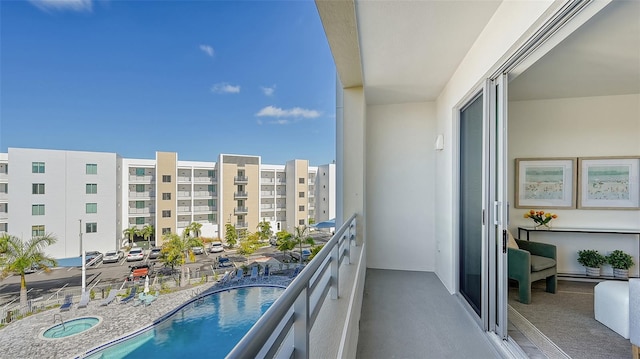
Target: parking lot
[45, 285]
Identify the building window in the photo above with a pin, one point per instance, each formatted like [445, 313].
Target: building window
[166, 178]
[211, 173]
[91, 227]
[139, 171]
[211, 188]
[301, 222]
[300, 208]
[211, 202]
[139, 188]
[301, 180]
[37, 188]
[37, 210]
[92, 207]
[92, 169]
[139, 220]
[139, 204]
[211, 217]
[301, 194]
[166, 230]
[37, 167]
[37, 231]
[166, 214]
[92, 188]
[166, 196]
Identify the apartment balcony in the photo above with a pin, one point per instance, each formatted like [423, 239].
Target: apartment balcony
[204, 209]
[281, 208]
[141, 179]
[148, 194]
[267, 181]
[204, 194]
[332, 310]
[240, 180]
[242, 225]
[204, 180]
[267, 206]
[4, 216]
[141, 212]
[4, 177]
[184, 179]
[267, 193]
[184, 209]
[184, 194]
[281, 194]
[241, 210]
[240, 195]
[4, 196]
[183, 224]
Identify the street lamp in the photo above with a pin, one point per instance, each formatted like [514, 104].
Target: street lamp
[84, 265]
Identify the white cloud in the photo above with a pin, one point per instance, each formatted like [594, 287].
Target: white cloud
[61, 5]
[296, 112]
[268, 91]
[207, 50]
[224, 87]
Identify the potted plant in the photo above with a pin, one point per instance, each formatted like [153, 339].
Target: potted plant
[621, 262]
[592, 260]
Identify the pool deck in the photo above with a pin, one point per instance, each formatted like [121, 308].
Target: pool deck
[22, 338]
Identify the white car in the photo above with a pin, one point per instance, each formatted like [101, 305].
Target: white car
[216, 247]
[112, 256]
[135, 254]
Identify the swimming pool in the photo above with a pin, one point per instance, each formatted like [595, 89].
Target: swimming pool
[71, 327]
[206, 328]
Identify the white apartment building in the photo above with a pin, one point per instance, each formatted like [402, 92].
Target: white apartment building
[67, 193]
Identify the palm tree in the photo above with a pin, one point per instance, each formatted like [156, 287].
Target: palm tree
[300, 235]
[264, 230]
[175, 251]
[195, 228]
[21, 255]
[131, 233]
[231, 234]
[285, 242]
[147, 232]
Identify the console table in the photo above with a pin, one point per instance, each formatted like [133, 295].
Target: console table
[571, 245]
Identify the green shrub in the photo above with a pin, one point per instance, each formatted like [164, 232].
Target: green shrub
[620, 260]
[591, 258]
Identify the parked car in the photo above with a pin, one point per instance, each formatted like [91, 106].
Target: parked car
[295, 255]
[34, 268]
[154, 253]
[135, 254]
[94, 256]
[113, 256]
[197, 250]
[216, 247]
[222, 262]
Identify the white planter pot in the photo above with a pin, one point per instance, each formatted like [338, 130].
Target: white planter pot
[620, 273]
[593, 272]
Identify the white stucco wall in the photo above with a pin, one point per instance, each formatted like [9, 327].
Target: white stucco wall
[400, 186]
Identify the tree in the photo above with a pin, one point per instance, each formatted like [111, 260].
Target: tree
[312, 221]
[300, 236]
[195, 228]
[175, 251]
[21, 255]
[147, 232]
[131, 233]
[264, 230]
[230, 234]
[285, 242]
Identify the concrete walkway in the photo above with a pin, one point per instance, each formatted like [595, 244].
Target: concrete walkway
[22, 338]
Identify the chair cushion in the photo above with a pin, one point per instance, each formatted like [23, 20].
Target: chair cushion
[512, 242]
[539, 263]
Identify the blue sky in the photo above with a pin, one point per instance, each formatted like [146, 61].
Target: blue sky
[194, 77]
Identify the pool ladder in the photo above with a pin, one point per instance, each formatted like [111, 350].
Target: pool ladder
[61, 321]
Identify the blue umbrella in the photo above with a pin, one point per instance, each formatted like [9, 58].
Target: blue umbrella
[325, 224]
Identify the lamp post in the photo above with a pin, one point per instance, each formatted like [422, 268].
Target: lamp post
[84, 265]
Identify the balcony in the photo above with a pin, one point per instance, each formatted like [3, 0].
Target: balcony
[183, 224]
[267, 181]
[4, 177]
[203, 194]
[4, 216]
[324, 313]
[241, 210]
[184, 209]
[204, 209]
[241, 225]
[147, 194]
[281, 194]
[184, 179]
[141, 179]
[201, 179]
[184, 194]
[267, 193]
[267, 206]
[240, 180]
[237, 195]
[4, 196]
[141, 211]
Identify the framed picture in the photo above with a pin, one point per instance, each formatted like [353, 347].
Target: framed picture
[545, 183]
[609, 183]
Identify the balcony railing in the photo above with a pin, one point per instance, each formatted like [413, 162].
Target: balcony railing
[4, 196]
[240, 210]
[148, 194]
[4, 176]
[184, 179]
[184, 209]
[141, 210]
[204, 194]
[267, 193]
[201, 179]
[183, 224]
[4, 215]
[142, 179]
[242, 225]
[184, 194]
[267, 206]
[281, 194]
[284, 329]
[267, 180]
[240, 195]
[199, 209]
[240, 179]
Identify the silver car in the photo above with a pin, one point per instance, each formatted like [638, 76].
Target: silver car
[113, 256]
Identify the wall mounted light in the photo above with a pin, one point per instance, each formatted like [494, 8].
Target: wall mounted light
[439, 145]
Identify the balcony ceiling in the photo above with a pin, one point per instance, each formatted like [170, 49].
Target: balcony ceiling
[600, 58]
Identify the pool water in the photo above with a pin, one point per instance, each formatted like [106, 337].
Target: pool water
[71, 327]
[206, 328]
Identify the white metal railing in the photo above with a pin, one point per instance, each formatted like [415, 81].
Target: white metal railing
[240, 194]
[203, 208]
[183, 224]
[146, 194]
[141, 210]
[205, 194]
[184, 194]
[184, 209]
[281, 193]
[146, 178]
[241, 210]
[203, 179]
[267, 193]
[4, 176]
[242, 224]
[290, 318]
[267, 180]
[241, 179]
[4, 195]
[4, 215]
[267, 206]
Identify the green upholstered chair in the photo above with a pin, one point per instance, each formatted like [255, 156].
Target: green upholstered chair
[530, 262]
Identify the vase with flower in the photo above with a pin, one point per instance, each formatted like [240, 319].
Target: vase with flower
[541, 219]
